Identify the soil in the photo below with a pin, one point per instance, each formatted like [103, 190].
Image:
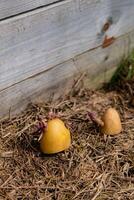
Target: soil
[95, 167]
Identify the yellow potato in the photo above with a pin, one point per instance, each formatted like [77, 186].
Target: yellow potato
[55, 138]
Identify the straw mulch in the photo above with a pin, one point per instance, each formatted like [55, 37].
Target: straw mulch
[93, 168]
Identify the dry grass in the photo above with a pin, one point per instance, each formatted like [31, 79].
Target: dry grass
[94, 168]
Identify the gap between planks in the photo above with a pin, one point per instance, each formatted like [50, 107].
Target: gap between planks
[59, 80]
[40, 41]
[20, 10]
[73, 59]
[32, 11]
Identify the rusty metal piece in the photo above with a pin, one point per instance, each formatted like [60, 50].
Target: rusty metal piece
[108, 41]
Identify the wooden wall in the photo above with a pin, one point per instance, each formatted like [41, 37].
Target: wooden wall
[45, 44]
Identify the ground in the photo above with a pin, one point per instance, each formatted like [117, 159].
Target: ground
[93, 168]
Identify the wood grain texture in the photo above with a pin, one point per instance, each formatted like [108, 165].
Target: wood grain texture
[98, 64]
[13, 7]
[36, 41]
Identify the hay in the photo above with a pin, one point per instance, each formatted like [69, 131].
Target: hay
[94, 168]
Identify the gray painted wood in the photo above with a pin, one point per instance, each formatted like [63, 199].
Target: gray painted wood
[35, 42]
[59, 80]
[14, 7]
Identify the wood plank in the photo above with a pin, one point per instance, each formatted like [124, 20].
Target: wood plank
[13, 7]
[59, 80]
[34, 42]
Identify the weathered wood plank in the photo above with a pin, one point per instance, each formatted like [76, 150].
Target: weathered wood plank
[59, 80]
[13, 7]
[34, 42]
